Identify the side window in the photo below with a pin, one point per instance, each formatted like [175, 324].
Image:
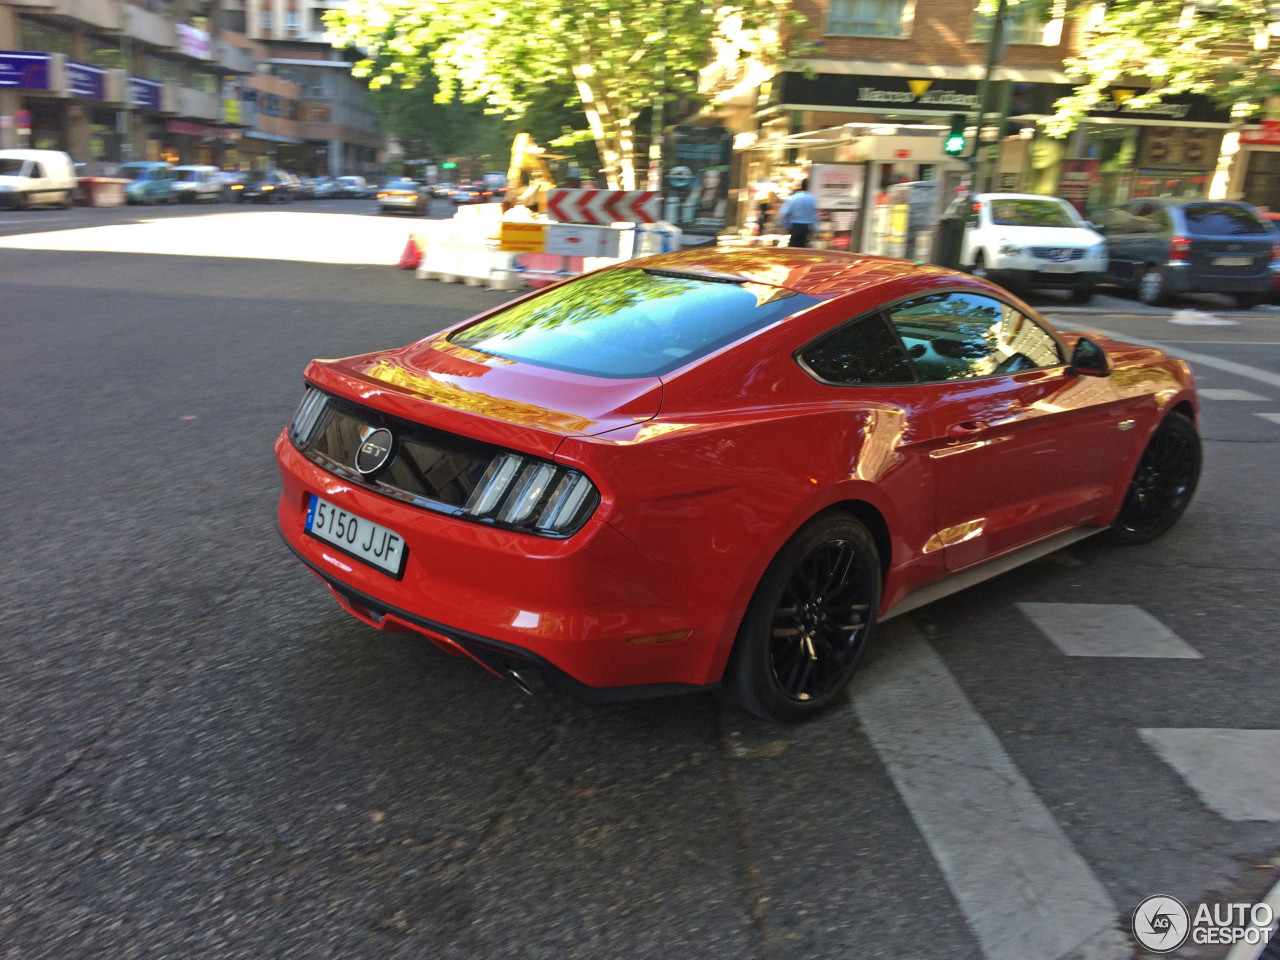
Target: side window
[959, 336]
[865, 351]
[37, 171]
[1161, 221]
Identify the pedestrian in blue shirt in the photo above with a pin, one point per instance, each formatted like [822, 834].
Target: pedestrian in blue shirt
[799, 214]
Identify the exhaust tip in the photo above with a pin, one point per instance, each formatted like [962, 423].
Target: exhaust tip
[528, 679]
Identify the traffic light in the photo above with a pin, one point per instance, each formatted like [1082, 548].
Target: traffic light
[448, 165]
[954, 145]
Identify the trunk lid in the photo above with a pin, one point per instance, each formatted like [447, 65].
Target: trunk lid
[511, 404]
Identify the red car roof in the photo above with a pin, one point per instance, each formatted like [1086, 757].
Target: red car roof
[818, 273]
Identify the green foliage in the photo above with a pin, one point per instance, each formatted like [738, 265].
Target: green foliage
[616, 55]
[1218, 49]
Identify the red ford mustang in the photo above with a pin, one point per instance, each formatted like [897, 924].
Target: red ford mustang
[721, 466]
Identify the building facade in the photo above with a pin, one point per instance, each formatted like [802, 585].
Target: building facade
[177, 80]
[884, 69]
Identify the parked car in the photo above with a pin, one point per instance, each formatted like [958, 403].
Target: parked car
[232, 185]
[266, 186]
[194, 184]
[325, 188]
[702, 468]
[150, 181]
[306, 188]
[292, 183]
[36, 177]
[1024, 241]
[1271, 220]
[1160, 247]
[352, 187]
[400, 196]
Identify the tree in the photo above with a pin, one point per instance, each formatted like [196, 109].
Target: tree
[1217, 48]
[619, 55]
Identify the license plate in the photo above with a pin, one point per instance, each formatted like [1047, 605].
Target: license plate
[1057, 268]
[1233, 261]
[357, 537]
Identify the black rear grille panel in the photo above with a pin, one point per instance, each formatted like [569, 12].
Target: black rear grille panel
[426, 465]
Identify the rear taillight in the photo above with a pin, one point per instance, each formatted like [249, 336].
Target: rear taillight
[1179, 249]
[305, 417]
[537, 495]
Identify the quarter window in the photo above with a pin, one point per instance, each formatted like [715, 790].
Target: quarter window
[959, 336]
[862, 352]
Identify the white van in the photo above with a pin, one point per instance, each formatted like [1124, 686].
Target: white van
[196, 183]
[30, 177]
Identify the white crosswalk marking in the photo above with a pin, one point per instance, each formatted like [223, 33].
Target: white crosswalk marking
[1235, 772]
[1222, 393]
[1273, 417]
[1024, 890]
[1107, 630]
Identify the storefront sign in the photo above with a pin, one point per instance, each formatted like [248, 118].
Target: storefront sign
[193, 42]
[836, 186]
[145, 93]
[876, 94]
[22, 119]
[86, 81]
[231, 112]
[696, 192]
[1268, 135]
[25, 71]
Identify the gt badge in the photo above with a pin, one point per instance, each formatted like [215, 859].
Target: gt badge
[374, 452]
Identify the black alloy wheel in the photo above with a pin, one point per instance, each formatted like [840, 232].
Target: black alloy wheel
[1247, 301]
[1082, 295]
[809, 621]
[1163, 484]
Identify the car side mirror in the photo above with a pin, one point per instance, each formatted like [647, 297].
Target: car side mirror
[1089, 360]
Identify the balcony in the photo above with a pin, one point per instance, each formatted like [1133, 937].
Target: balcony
[103, 14]
[234, 59]
[152, 28]
[198, 105]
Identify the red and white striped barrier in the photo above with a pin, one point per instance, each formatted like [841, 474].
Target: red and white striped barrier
[604, 206]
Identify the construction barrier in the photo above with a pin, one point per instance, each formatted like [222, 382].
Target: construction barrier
[464, 249]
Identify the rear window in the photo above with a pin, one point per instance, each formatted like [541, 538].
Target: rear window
[1030, 213]
[1221, 220]
[628, 322]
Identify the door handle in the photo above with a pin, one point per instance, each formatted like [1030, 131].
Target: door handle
[966, 428]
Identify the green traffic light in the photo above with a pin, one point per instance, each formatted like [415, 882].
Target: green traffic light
[954, 145]
[448, 166]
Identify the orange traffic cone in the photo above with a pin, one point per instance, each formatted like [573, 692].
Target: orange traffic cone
[412, 255]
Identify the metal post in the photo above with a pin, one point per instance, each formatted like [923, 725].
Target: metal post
[126, 54]
[995, 52]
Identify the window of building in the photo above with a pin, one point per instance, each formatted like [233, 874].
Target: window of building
[234, 20]
[317, 20]
[867, 18]
[38, 37]
[105, 53]
[204, 82]
[291, 21]
[163, 70]
[268, 22]
[1027, 27]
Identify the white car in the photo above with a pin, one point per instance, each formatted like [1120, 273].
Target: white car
[29, 177]
[197, 183]
[1025, 241]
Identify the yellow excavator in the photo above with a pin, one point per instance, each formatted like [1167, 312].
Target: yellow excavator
[528, 177]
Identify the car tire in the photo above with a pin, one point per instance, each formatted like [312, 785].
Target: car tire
[1163, 483]
[808, 622]
[1153, 289]
[979, 268]
[1247, 301]
[1083, 295]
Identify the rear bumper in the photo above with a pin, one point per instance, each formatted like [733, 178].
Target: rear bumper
[1184, 280]
[570, 605]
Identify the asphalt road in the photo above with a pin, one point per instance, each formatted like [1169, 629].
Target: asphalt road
[202, 756]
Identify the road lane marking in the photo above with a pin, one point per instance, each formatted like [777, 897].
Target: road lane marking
[1025, 891]
[1107, 630]
[1222, 393]
[1228, 366]
[1234, 772]
[1273, 417]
